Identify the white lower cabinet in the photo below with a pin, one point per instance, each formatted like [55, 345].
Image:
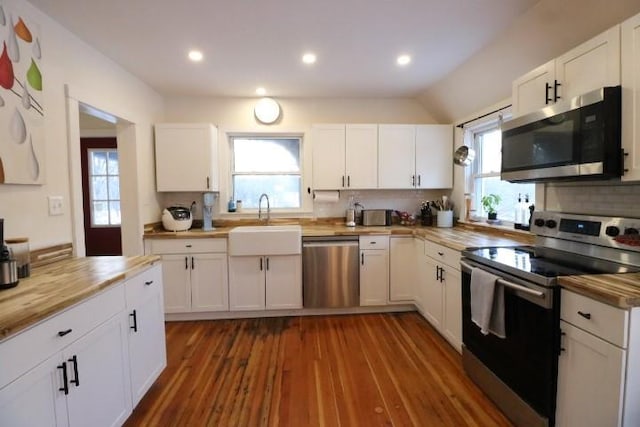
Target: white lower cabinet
[269, 282]
[402, 269]
[195, 274]
[374, 270]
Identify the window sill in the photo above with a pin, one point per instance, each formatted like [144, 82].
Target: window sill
[504, 226]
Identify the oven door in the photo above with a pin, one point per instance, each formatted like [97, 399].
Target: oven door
[526, 361]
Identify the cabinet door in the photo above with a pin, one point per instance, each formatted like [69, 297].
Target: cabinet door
[99, 381]
[374, 277]
[631, 98]
[176, 282]
[420, 274]
[361, 156]
[590, 66]
[186, 157]
[433, 293]
[328, 157]
[396, 156]
[283, 281]
[590, 380]
[209, 283]
[147, 349]
[34, 399]
[434, 153]
[452, 317]
[246, 283]
[402, 269]
[529, 91]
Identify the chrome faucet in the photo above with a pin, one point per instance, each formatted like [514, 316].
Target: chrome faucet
[264, 195]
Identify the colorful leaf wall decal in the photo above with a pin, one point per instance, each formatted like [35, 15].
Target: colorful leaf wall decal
[34, 77]
[3, 18]
[12, 48]
[18, 128]
[34, 165]
[22, 31]
[36, 49]
[6, 69]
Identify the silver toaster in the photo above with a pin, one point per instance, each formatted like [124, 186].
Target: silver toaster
[376, 217]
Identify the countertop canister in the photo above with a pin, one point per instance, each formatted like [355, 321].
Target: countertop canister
[444, 219]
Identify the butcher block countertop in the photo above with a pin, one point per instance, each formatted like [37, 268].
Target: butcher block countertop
[55, 287]
[619, 290]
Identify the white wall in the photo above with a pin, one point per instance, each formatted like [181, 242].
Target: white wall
[96, 80]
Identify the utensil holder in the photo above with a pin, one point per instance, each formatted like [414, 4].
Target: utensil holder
[444, 219]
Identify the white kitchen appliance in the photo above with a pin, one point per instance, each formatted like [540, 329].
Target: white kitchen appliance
[208, 200]
[177, 218]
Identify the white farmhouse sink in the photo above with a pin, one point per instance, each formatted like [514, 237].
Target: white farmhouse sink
[265, 240]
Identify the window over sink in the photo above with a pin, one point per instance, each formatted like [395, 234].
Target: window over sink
[270, 165]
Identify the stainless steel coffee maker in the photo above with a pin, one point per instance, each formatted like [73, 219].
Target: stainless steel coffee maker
[8, 265]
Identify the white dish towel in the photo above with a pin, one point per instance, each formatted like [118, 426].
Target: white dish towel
[487, 303]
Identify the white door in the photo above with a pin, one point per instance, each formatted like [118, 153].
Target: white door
[590, 379]
[396, 156]
[246, 283]
[361, 156]
[434, 156]
[328, 157]
[452, 318]
[283, 289]
[176, 281]
[374, 277]
[631, 97]
[530, 92]
[99, 381]
[590, 66]
[209, 283]
[34, 399]
[433, 293]
[402, 269]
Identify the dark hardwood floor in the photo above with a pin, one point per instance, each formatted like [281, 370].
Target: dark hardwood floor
[352, 370]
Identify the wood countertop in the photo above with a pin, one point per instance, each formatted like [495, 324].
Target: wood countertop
[619, 290]
[55, 287]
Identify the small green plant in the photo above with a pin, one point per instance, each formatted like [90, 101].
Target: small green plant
[490, 203]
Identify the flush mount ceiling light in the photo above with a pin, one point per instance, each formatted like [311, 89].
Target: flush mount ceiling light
[403, 60]
[195, 55]
[267, 111]
[261, 91]
[309, 58]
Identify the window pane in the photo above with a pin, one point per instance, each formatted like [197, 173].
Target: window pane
[114, 213]
[100, 213]
[113, 168]
[98, 162]
[283, 190]
[114, 188]
[266, 155]
[99, 188]
[491, 151]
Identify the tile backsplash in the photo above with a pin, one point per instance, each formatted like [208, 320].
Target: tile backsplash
[594, 199]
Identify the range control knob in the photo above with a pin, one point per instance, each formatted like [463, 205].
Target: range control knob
[612, 231]
[551, 223]
[630, 230]
[539, 222]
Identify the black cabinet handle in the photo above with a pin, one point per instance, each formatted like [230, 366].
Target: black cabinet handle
[260, 263]
[207, 183]
[348, 180]
[65, 379]
[192, 264]
[188, 246]
[343, 180]
[362, 258]
[547, 88]
[65, 332]
[585, 315]
[556, 85]
[419, 184]
[437, 272]
[413, 180]
[135, 321]
[148, 282]
[74, 360]
[186, 263]
[441, 253]
[267, 263]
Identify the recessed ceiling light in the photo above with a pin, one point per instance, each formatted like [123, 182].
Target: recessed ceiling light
[309, 58]
[403, 60]
[261, 91]
[195, 55]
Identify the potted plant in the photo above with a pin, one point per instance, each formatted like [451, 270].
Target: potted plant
[490, 203]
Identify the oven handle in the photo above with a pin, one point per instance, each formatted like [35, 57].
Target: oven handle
[511, 285]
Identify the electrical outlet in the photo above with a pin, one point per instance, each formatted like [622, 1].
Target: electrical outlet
[55, 205]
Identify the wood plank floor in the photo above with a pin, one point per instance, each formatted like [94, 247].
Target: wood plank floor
[352, 370]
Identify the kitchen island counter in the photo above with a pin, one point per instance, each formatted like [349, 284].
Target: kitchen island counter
[55, 287]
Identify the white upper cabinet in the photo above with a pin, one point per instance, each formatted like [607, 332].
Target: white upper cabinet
[186, 157]
[345, 156]
[631, 98]
[415, 156]
[589, 66]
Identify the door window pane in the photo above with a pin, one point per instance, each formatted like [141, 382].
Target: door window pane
[104, 185]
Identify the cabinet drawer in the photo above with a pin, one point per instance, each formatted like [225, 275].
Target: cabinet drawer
[374, 242]
[188, 246]
[442, 254]
[28, 348]
[603, 320]
[142, 284]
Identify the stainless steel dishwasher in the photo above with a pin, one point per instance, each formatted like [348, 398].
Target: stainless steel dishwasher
[330, 271]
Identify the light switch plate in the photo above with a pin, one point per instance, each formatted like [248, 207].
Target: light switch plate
[55, 205]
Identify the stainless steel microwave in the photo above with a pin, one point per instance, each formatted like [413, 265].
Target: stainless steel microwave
[571, 140]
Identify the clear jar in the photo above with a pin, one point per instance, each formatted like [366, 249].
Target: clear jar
[19, 248]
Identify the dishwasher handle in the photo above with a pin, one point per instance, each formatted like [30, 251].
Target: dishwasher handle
[333, 243]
